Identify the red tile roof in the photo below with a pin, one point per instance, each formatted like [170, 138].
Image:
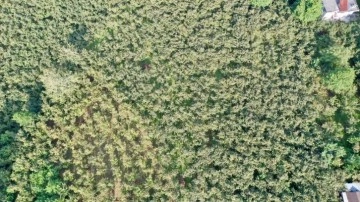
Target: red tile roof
[343, 5]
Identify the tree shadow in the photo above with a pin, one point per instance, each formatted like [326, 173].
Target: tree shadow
[323, 39]
[355, 60]
[76, 38]
[8, 147]
[291, 2]
[8, 130]
[323, 42]
[35, 102]
[33, 105]
[9, 109]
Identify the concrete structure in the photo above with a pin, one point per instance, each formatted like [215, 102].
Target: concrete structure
[352, 194]
[339, 9]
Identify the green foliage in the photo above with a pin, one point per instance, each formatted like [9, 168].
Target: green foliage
[333, 155]
[337, 55]
[307, 10]
[58, 85]
[24, 119]
[6, 141]
[171, 101]
[340, 80]
[261, 3]
[353, 163]
[46, 185]
[7, 156]
[102, 141]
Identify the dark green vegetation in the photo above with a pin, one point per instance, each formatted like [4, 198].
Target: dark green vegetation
[175, 100]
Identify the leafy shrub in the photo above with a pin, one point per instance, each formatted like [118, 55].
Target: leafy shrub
[24, 118]
[353, 163]
[307, 10]
[336, 55]
[7, 155]
[340, 80]
[45, 182]
[333, 155]
[261, 3]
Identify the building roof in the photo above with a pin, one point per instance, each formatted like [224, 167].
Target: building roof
[354, 186]
[343, 5]
[351, 196]
[352, 5]
[330, 5]
[353, 192]
[340, 5]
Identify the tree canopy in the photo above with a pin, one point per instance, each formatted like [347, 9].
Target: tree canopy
[176, 101]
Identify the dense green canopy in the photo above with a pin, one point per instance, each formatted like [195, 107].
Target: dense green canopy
[174, 100]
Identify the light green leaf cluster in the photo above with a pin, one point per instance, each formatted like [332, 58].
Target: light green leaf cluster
[307, 10]
[340, 80]
[333, 155]
[261, 3]
[24, 119]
